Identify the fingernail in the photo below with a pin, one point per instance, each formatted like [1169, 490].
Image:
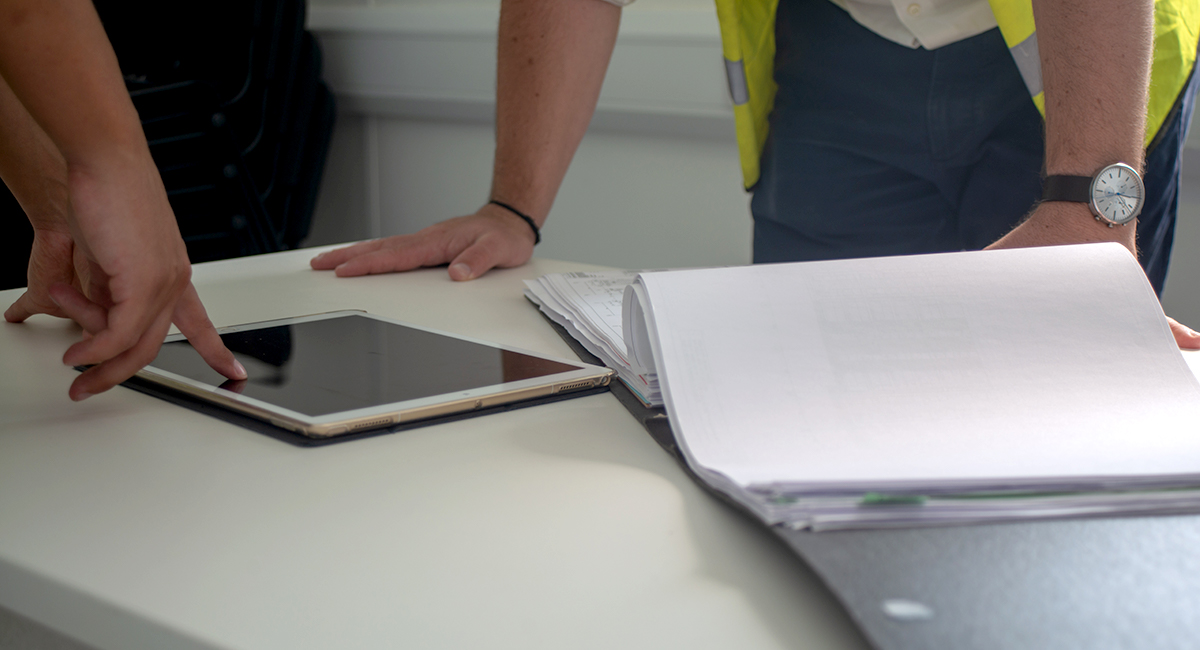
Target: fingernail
[81, 396]
[460, 271]
[321, 256]
[240, 369]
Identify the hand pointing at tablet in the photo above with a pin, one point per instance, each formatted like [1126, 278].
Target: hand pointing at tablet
[107, 250]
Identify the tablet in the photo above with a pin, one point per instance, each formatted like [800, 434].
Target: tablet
[345, 372]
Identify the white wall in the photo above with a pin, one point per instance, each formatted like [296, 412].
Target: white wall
[1181, 298]
[655, 183]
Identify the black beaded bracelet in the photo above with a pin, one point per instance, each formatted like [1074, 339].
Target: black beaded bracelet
[537, 234]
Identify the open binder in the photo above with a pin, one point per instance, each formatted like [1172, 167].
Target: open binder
[1111, 582]
[921, 390]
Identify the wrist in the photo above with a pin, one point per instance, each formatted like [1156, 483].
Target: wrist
[1077, 166]
[513, 211]
[109, 158]
[1075, 223]
[48, 208]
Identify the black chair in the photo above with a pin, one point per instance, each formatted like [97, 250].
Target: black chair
[235, 113]
[225, 131]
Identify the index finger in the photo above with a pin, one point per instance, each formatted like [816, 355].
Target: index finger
[193, 322]
[331, 259]
[419, 252]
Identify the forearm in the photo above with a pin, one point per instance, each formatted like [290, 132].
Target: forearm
[1096, 72]
[31, 166]
[56, 58]
[552, 57]
[85, 110]
[1096, 58]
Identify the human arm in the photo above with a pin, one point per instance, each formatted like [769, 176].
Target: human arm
[36, 174]
[1096, 58]
[130, 276]
[551, 60]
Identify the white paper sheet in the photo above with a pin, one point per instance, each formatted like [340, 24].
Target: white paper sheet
[588, 306]
[1047, 367]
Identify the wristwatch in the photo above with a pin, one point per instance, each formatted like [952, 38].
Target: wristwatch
[1115, 194]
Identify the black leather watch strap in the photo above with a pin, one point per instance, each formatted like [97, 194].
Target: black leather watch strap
[1067, 188]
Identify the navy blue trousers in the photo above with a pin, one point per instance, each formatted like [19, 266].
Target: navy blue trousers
[878, 149]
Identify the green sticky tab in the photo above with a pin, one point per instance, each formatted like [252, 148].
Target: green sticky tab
[881, 499]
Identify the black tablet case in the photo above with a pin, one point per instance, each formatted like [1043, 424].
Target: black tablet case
[1123, 582]
[268, 429]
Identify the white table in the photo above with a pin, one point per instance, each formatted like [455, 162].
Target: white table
[126, 522]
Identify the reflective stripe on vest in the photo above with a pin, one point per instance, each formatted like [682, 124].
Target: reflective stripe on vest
[1015, 19]
[748, 44]
[1029, 62]
[735, 72]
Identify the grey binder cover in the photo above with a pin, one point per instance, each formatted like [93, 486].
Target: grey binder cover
[1125, 582]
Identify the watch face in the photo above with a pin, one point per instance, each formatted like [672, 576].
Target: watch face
[1117, 194]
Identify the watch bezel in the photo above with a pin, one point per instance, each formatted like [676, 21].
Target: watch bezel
[1137, 209]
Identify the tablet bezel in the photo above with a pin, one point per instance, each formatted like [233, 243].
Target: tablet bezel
[357, 420]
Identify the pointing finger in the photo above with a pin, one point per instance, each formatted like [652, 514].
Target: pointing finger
[193, 322]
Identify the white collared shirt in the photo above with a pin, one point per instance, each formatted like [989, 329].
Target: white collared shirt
[922, 23]
[915, 23]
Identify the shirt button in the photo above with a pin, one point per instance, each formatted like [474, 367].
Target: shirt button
[914, 9]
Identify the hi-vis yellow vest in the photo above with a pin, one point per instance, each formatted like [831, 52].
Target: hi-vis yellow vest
[748, 38]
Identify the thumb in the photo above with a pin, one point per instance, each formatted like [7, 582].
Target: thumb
[474, 261]
[28, 305]
[22, 309]
[1185, 337]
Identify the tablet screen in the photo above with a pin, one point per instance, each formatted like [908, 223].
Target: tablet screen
[351, 362]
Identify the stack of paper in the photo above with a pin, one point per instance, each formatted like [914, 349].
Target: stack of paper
[937, 389]
[588, 306]
[905, 391]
